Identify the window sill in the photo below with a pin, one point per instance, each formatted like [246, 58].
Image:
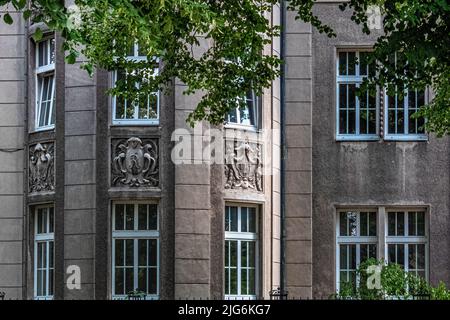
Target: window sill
[121, 123]
[41, 129]
[237, 126]
[124, 297]
[357, 138]
[240, 297]
[412, 138]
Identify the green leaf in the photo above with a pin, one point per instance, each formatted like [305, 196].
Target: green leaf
[71, 58]
[8, 19]
[38, 35]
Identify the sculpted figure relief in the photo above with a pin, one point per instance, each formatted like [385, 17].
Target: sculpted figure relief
[41, 168]
[135, 164]
[243, 165]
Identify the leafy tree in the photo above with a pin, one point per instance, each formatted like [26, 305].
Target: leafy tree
[176, 31]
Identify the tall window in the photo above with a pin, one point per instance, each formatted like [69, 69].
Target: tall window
[248, 115]
[356, 242]
[357, 117]
[44, 265]
[135, 250]
[241, 252]
[406, 241]
[143, 111]
[45, 84]
[400, 124]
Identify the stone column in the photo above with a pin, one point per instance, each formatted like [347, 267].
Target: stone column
[80, 178]
[192, 206]
[299, 157]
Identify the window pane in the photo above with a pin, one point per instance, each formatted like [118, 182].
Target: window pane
[233, 281]
[129, 280]
[232, 116]
[342, 223]
[153, 106]
[51, 220]
[421, 256]
[51, 273]
[118, 282]
[129, 217]
[343, 256]
[252, 219]
[153, 253]
[41, 54]
[352, 257]
[372, 224]
[227, 253]
[142, 252]
[391, 224]
[412, 224]
[142, 279]
[412, 256]
[51, 258]
[153, 281]
[233, 253]
[119, 252]
[129, 252]
[352, 223]
[244, 252]
[352, 109]
[252, 254]
[251, 281]
[400, 223]
[364, 223]
[119, 217]
[351, 63]
[244, 283]
[362, 63]
[420, 223]
[342, 63]
[153, 217]
[142, 217]
[233, 219]
[244, 219]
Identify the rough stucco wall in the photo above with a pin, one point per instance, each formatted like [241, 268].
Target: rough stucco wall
[12, 110]
[368, 173]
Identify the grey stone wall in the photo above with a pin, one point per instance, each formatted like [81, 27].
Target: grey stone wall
[12, 115]
[368, 173]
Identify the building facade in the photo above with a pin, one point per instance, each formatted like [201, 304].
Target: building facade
[100, 197]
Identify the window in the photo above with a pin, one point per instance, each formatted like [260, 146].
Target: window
[135, 250]
[400, 124]
[247, 116]
[241, 252]
[357, 117]
[45, 84]
[356, 242]
[406, 241]
[143, 111]
[44, 265]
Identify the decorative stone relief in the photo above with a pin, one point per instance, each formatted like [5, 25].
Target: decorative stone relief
[243, 165]
[41, 163]
[135, 163]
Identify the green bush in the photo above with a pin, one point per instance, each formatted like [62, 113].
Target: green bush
[394, 283]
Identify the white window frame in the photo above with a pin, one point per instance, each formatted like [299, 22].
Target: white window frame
[41, 72]
[405, 136]
[244, 236]
[135, 120]
[354, 240]
[406, 239]
[45, 238]
[356, 79]
[256, 100]
[135, 236]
